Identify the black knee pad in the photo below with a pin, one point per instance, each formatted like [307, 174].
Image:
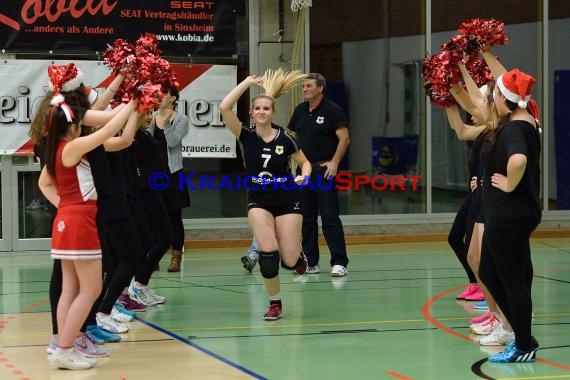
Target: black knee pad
[269, 264]
[297, 265]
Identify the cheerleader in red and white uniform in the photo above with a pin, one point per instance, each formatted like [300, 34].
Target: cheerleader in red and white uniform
[74, 232]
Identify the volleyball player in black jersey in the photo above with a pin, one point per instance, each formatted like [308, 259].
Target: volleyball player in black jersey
[274, 207]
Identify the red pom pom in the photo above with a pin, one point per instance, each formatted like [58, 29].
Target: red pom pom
[484, 32]
[147, 44]
[440, 71]
[150, 97]
[148, 73]
[480, 72]
[118, 56]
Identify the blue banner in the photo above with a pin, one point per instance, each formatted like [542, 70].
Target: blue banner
[395, 155]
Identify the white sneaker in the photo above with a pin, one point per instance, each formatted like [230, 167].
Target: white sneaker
[157, 298]
[70, 359]
[338, 271]
[109, 324]
[52, 346]
[313, 269]
[34, 205]
[499, 337]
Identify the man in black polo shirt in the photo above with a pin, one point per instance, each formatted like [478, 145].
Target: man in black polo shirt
[322, 133]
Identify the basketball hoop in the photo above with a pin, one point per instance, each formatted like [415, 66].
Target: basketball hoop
[296, 5]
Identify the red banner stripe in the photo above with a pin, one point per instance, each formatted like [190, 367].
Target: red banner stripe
[185, 73]
[27, 148]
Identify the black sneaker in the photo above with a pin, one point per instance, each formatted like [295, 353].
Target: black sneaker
[248, 263]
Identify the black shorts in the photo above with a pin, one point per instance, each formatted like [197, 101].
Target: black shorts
[276, 203]
[477, 206]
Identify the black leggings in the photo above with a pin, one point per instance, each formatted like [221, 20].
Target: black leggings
[55, 286]
[460, 235]
[157, 219]
[121, 248]
[144, 232]
[506, 269]
[177, 229]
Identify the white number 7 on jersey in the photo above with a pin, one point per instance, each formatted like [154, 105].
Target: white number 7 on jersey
[267, 157]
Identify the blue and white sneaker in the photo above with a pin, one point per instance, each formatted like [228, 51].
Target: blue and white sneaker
[483, 305]
[121, 309]
[142, 295]
[99, 336]
[119, 316]
[512, 354]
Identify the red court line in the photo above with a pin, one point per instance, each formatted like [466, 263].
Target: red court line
[429, 317]
[427, 314]
[398, 375]
[554, 364]
[15, 370]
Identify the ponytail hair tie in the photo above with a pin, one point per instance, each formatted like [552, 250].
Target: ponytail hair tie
[67, 111]
[59, 101]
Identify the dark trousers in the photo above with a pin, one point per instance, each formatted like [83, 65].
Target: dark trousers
[121, 248]
[156, 217]
[177, 229]
[460, 235]
[506, 269]
[323, 201]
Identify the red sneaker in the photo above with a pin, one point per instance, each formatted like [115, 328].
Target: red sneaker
[274, 312]
[481, 318]
[471, 289]
[130, 304]
[477, 296]
[303, 268]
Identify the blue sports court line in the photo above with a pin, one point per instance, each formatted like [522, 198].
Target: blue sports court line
[202, 349]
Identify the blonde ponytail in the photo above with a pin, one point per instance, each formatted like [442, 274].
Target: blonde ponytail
[278, 82]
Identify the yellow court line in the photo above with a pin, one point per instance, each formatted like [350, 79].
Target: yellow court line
[332, 324]
[329, 324]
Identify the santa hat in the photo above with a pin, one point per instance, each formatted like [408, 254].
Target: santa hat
[64, 78]
[91, 94]
[515, 86]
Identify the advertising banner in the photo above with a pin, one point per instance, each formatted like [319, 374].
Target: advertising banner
[202, 88]
[197, 28]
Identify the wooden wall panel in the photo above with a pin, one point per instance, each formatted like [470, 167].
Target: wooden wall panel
[336, 21]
